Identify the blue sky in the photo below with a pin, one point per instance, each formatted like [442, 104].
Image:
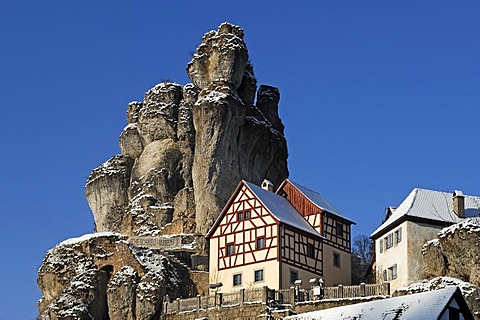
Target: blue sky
[377, 97]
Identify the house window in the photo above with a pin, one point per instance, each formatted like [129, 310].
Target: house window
[293, 276]
[237, 279]
[336, 259]
[385, 275]
[310, 250]
[339, 229]
[398, 235]
[258, 275]
[240, 216]
[247, 214]
[260, 243]
[389, 241]
[394, 271]
[381, 245]
[230, 249]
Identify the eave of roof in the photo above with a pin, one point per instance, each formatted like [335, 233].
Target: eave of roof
[278, 207]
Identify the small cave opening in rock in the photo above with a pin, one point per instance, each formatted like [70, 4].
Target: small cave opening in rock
[101, 310]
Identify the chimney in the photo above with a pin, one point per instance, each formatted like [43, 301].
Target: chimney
[459, 203]
[267, 185]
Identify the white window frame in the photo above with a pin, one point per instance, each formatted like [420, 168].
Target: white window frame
[261, 243]
[237, 275]
[260, 271]
[398, 235]
[227, 251]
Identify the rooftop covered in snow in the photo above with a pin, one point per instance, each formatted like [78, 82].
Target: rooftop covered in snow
[429, 206]
[319, 200]
[425, 305]
[281, 209]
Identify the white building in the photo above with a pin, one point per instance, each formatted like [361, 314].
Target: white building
[419, 218]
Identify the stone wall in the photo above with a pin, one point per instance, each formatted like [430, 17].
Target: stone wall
[251, 311]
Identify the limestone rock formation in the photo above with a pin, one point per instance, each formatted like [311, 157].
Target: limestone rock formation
[453, 259]
[185, 149]
[103, 276]
[456, 253]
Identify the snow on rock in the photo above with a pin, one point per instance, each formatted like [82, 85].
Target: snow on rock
[467, 288]
[469, 225]
[80, 274]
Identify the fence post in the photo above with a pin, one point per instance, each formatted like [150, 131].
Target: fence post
[242, 296]
[307, 295]
[199, 302]
[178, 304]
[340, 291]
[265, 294]
[220, 299]
[292, 296]
[363, 289]
[165, 307]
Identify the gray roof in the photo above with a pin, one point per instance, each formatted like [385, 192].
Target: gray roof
[431, 205]
[281, 209]
[425, 305]
[318, 200]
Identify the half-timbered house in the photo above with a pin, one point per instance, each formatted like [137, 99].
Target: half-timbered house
[262, 238]
[327, 221]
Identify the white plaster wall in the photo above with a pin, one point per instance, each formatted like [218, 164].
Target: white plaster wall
[332, 275]
[303, 275]
[270, 273]
[395, 255]
[407, 254]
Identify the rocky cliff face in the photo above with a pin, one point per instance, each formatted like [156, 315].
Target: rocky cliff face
[456, 252]
[103, 276]
[185, 148]
[183, 151]
[454, 259]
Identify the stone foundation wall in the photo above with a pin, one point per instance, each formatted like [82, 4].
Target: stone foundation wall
[253, 310]
[245, 312]
[309, 306]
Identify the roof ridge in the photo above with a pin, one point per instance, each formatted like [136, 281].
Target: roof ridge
[413, 200]
[302, 185]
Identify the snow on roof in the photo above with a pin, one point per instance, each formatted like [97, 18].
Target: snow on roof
[414, 306]
[318, 200]
[281, 209]
[432, 205]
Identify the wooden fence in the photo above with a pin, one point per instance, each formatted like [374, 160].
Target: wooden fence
[266, 295]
